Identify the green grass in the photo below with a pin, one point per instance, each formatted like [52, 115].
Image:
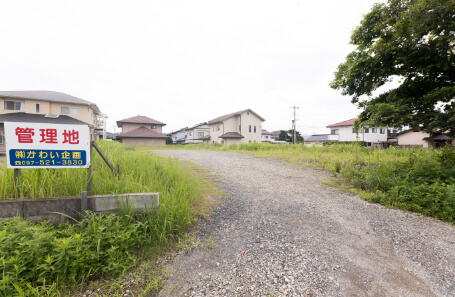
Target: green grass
[419, 180]
[46, 260]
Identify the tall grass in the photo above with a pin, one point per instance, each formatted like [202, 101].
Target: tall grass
[38, 259]
[420, 180]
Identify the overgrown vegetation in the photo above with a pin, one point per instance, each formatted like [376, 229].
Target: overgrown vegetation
[420, 180]
[43, 259]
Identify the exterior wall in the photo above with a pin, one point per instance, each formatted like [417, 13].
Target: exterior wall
[85, 112]
[192, 134]
[177, 135]
[345, 134]
[126, 127]
[413, 138]
[144, 141]
[253, 121]
[233, 124]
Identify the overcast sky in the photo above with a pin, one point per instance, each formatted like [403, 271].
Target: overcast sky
[185, 62]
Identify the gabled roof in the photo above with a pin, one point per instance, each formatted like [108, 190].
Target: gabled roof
[227, 116]
[198, 125]
[344, 123]
[231, 135]
[142, 132]
[180, 130]
[140, 120]
[48, 96]
[39, 118]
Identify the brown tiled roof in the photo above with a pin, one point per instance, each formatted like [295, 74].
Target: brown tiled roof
[345, 123]
[227, 116]
[140, 120]
[207, 137]
[142, 132]
[231, 135]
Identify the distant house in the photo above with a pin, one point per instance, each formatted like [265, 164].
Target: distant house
[417, 138]
[198, 133]
[238, 127]
[320, 138]
[270, 136]
[50, 104]
[141, 130]
[179, 136]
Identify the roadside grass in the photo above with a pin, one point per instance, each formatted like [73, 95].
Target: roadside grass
[41, 259]
[419, 180]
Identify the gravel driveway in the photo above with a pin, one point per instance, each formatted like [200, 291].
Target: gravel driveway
[281, 233]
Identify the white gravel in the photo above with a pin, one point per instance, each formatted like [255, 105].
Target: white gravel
[281, 233]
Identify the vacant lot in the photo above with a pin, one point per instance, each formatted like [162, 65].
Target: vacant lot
[279, 231]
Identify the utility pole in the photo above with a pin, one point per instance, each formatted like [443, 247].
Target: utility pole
[294, 125]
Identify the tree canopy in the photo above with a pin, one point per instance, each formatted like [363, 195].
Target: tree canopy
[412, 41]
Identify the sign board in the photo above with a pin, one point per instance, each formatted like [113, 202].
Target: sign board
[40, 145]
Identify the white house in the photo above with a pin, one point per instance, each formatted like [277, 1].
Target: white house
[179, 136]
[238, 127]
[345, 131]
[198, 133]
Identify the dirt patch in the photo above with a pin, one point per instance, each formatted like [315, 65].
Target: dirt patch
[280, 232]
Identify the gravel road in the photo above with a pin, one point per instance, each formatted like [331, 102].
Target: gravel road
[279, 232]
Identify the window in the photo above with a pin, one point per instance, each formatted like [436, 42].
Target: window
[200, 134]
[374, 130]
[266, 137]
[366, 130]
[69, 110]
[218, 128]
[382, 131]
[153, 127]
[191, 133]
[249, 129]
[1, 137]
[334, 131]
[37, 107]
[14, 105]
[254, 129]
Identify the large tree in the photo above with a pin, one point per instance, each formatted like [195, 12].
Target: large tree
[412, 41]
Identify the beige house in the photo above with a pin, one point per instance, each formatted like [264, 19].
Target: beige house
[238, 127]
[50, 104]
[141, 130]
[417, 138]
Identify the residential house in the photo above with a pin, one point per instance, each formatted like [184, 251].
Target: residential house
[238, 127]
[48, 104]
[320, 139]
[345, 131]
[197, 134]
[179, 136]
[141, 130]
[269, 136]
[417, 138]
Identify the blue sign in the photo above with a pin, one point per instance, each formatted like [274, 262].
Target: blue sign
[46, 158]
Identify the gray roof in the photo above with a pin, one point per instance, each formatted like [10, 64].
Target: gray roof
[198, 125]
[39, 118]
[320, 137]
[227, 116]
[48, 96]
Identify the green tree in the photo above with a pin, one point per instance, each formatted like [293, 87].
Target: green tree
[297, 135]
[412, 41]
[284, 136]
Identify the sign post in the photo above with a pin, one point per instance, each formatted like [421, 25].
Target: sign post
[41, 145]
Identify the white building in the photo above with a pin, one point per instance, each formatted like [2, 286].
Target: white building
[197, 134]
[238, 127]
[179, 136]
[345, 131]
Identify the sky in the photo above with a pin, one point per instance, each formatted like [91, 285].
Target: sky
[185, 62]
